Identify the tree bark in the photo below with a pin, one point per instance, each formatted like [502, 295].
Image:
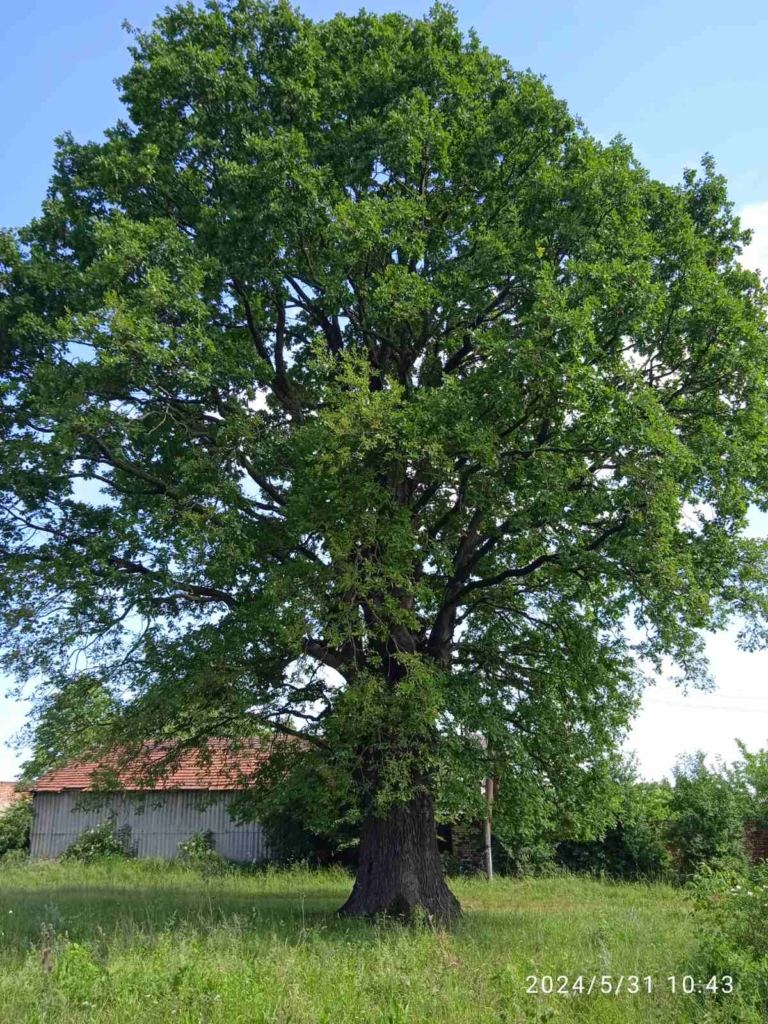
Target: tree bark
[399, 866]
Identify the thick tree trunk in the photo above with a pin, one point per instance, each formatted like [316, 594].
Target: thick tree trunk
[399, 866]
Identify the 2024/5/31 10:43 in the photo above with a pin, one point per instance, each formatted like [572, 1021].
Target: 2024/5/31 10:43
[632, 984]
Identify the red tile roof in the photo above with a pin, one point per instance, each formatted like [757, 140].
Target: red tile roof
[219, 768]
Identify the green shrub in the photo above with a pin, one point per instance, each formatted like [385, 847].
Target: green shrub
[14, 858]
[523, 856]
[628, 850]
[634, 845]
[731, 908]
[198, 852]
[15, 824]
[100, 841]
[706, 825]
[735, 904]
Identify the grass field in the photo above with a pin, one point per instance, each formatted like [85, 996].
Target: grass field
[141, 942]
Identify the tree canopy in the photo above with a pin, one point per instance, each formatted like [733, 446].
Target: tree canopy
[350, 379]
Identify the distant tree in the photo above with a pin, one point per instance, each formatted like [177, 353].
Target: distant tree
[633, 843]
[706, 815]
[750, 777]
[350, 378]
[643, 828]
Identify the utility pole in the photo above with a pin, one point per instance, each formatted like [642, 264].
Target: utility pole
[487, 828]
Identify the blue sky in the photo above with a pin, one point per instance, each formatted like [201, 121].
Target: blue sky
[677, 79]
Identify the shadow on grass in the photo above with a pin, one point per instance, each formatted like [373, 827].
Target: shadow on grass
[84, 913]
[103, 912]
[106, 902]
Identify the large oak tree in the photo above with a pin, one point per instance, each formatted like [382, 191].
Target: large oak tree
[350, 379]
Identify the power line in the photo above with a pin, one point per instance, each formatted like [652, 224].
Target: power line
[709, 707]
[652, 692]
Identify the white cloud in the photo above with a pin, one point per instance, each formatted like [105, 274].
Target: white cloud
[755, 216]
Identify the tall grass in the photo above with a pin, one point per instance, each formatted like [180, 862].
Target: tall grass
[146, 942]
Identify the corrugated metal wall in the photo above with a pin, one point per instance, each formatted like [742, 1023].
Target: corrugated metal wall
[157, 825]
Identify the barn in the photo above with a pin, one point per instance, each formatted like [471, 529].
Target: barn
[195, 796]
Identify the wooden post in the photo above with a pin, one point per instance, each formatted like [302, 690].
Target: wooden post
[487, 828]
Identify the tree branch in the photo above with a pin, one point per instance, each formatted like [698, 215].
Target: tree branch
[211, 593]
